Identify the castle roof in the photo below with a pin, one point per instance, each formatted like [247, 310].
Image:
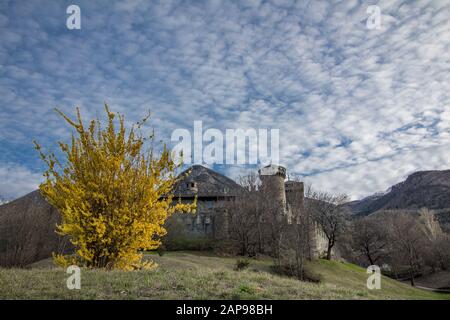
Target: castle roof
[203, 182]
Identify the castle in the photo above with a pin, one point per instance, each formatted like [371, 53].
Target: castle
[214, 193]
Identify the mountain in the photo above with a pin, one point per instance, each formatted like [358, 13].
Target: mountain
[3, 200]
[430, 189]
[27, 231]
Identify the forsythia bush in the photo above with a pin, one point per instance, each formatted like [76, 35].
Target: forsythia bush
[113, 197]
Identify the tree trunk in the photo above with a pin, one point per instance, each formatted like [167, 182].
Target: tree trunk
[370, 259]
[260, 239]
[329, 251]
[412, 278]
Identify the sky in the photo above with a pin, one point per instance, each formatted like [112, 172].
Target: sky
[357, 108]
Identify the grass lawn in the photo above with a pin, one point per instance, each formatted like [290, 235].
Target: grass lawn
[193, 275]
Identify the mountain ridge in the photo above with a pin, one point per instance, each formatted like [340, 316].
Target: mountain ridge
[430, 189]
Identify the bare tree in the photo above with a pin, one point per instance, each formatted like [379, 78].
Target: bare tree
[370, 239]
[437, 254]
[252, 184]
[297, 241]
[27, 233]
[408, 240]
[411, 243]
[430, 224]
[260, 224]
[274, 222]
[244, 217]
[329, 213]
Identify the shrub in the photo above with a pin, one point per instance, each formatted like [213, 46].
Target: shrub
[247, 289]
[244, 292]
[112, 196]
[241, 264]
[306, 274]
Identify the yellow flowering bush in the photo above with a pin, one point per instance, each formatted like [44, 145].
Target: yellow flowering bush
[113, 197]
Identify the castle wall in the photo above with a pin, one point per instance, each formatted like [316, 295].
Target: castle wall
[209, 220]
[319, 241]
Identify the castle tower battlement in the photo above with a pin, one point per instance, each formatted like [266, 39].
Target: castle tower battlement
[272, 178]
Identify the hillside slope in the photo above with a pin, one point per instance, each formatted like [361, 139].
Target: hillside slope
[183, 275]
[27, 231]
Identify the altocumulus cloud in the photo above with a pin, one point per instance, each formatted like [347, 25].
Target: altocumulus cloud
[357, 109]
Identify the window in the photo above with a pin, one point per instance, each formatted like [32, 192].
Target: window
[191, 185]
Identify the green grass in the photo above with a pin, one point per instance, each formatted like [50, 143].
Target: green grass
[191, 275]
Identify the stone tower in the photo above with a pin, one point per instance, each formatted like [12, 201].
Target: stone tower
[272, 178]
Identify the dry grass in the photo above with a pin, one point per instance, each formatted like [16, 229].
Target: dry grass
[183, 275]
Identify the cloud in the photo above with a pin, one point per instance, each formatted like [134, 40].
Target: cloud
[366, 176]
[347, 100]
[17, 180]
